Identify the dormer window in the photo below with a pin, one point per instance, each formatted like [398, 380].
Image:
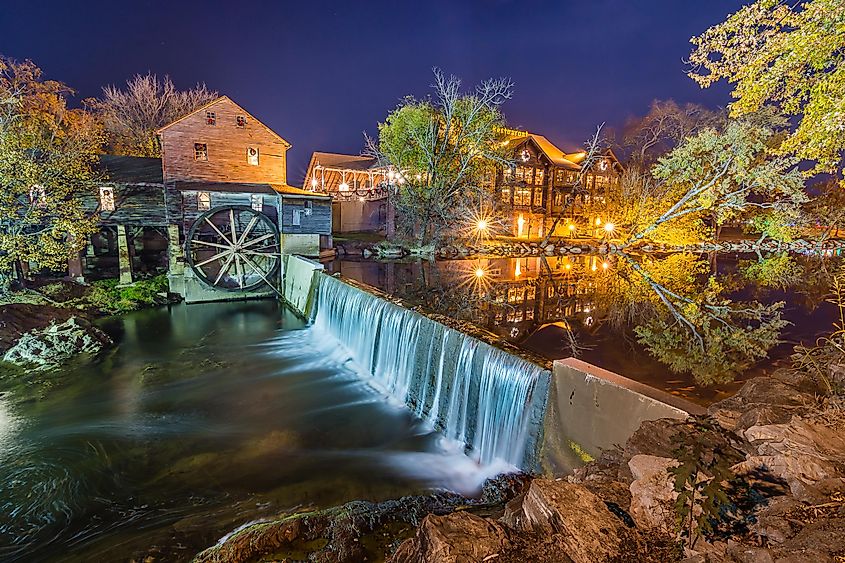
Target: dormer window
[210, 118]
[256, 201]
[203, 201]
[240, 121]
[252, 156]
[200, 151]
[107, 198]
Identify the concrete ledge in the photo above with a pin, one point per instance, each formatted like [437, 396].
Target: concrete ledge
[299, 286]
[591, 409]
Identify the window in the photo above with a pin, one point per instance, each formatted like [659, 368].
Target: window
[203, 201]
[252, 156]
[106, 198]
[200, 151]
[538, 176]
[297, 218]
[563, 177]
[240, 121]
[210, 118]
[506, 195]
[256, 201]
[538, 197]
[522, 196]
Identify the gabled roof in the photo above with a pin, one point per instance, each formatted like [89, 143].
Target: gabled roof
[348, 161]
[547, 148]
[217, 101]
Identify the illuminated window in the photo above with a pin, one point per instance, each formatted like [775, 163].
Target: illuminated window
[203, 201]
[506, 195]
[522, 196]
[507, 174]
[538, 197]
[210, 118]
[515, 295]
[200, 151]
[256, 201]
[529, 314]
[565, 177]
[530, 293]
[538, 176]
[252, 156]
[240, 121]
[106, 198]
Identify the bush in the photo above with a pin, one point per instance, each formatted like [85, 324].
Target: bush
[109, 298]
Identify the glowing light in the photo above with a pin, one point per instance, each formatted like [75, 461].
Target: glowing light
[568, 266]
[391, 175]
[594, 268]
[609, 227]
[361, 199]
[418, 176]
[479, 272]
[481, 225]
[520, 224]
[605, 265]
[517, 271]
[598, 221]
[344, 187]
[313, 182]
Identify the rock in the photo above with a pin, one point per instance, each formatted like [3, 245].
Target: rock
[652, 492]
[800, 453]
[459, 537]
[587, 531]
[762, 400]
[654, 438]
[56, 344]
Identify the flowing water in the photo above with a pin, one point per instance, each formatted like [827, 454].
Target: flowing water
[205, 417]
[474, 393]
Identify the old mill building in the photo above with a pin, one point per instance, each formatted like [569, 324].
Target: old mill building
[538, 187]
[215, 211]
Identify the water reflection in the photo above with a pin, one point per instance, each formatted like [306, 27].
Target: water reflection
[680, 322]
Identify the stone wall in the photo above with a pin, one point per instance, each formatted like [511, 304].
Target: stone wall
[299, 285]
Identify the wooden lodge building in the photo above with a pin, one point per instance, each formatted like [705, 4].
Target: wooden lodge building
[358, 186]
[214, 212]
[539, 186]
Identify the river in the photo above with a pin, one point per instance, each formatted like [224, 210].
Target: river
[203, 417]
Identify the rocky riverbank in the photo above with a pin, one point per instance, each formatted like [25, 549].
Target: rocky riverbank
[50, 323]
[761, 478]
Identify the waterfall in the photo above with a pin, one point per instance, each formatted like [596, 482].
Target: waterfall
[472, 392]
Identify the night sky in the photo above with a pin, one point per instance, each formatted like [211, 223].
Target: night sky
[321, 73]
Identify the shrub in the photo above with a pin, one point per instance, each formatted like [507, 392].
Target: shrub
[108, 297]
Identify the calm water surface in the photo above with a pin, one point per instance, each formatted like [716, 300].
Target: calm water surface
[543, 304]
[204, 418]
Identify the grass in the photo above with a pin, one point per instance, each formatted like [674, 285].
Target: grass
[108, 297]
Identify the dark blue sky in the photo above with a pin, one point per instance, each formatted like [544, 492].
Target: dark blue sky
[321, 73]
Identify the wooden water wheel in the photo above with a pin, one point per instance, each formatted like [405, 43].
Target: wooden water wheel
[234, 248]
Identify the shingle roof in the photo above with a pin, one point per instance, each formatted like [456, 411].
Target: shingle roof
[552, 152]
[131, 169]
[236, 187]
[337, 160]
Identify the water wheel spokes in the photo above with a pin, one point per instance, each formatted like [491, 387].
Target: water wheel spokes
[234, 248]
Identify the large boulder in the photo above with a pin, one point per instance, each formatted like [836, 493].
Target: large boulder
[652, 492]
[459, 537]
[586, 531]
[56, 344]
[762, 400]
[800, 453]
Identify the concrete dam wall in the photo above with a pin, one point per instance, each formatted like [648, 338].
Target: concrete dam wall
[505, 408]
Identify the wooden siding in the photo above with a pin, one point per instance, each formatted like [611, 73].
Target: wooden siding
[135, 205]
[318, 223]
[227, 148]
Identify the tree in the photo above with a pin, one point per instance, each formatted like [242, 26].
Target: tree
[132, 116]
[717, 176]
[47, 159]
[665, 126]
[788, 55]
[442, 149]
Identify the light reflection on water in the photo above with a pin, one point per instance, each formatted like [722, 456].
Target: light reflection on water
[204, 418]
